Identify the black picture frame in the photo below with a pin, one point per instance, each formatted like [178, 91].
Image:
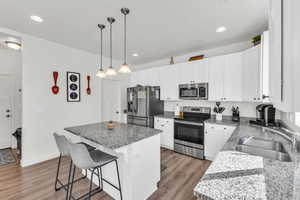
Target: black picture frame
[75, 83]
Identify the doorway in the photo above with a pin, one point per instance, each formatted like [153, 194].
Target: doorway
[110, 100]
[5, 112]
[10, 101]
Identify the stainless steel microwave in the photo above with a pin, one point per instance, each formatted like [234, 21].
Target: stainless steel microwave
[194, 91]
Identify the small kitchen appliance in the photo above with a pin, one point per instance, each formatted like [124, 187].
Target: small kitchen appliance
[265, 115]
[189, 131]
[193, 91]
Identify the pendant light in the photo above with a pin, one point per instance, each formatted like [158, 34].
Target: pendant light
[125, 68]
[101, 73]
[110, 70]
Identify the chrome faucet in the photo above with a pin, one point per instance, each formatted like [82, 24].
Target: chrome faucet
[291, 136]
[281, 133]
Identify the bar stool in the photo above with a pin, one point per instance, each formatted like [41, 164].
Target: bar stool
[93, 160]
[63, 147]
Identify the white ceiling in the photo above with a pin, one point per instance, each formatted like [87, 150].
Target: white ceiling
[156, 28]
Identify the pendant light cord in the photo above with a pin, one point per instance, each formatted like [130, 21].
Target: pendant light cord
[101, 48]
[110, 44]
[125, 39]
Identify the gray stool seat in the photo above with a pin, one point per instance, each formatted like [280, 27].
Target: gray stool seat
[94, 160]
[89, 147]
[63, 147]
[101, 158]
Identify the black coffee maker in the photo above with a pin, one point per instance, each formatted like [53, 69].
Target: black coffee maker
[265, 115]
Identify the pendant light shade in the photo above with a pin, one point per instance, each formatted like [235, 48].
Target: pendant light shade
[125, 68]
[101, 73]
[110, 70]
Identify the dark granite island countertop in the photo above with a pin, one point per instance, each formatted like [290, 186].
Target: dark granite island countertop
[121, 135]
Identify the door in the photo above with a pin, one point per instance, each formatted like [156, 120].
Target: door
[142, 101]
[189, 132]
[214, 141]
[251, 74]
[5, 112]
[275, 30]
[169, 76]
[233, 77]
[111, 100]
[216, 69]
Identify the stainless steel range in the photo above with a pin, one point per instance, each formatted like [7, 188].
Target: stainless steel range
[189, 131]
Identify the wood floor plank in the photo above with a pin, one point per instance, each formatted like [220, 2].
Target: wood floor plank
[36, 182]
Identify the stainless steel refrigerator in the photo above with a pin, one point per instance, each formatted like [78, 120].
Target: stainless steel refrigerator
[143, 102]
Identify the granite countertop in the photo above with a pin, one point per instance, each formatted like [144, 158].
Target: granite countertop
[121, 135]
[234, 175]
[167, 114]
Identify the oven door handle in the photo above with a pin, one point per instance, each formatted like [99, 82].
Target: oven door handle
[190, 123]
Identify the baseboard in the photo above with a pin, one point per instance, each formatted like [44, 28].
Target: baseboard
[26, 163]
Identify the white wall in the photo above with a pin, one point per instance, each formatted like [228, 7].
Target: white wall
[11, 64]
[43, 112]
[236, 47]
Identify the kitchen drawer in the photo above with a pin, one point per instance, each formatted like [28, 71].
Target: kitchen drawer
[163, 120]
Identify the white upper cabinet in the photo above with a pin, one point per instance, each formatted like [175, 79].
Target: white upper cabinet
[232, 89]
[251, 74]
[169, 76]
[225, 78]
[235, 77]
[194, 72]
[284, 54]
[216, 80]
[275, 51]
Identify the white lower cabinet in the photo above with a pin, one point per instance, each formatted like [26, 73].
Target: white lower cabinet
[167, 134]
[214, 139]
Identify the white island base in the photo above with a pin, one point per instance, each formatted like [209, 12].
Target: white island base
[139, 167]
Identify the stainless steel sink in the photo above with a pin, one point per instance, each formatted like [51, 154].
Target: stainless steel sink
[265, 148]
[262, 143]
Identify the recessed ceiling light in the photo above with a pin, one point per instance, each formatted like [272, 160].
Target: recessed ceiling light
[221, 29]
[135, 54]
[13, 45]
[36, 18]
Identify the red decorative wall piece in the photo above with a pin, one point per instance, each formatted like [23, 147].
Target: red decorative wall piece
[55, 88]
[88, 90]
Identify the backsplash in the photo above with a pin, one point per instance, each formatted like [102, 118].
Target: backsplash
[246, 109]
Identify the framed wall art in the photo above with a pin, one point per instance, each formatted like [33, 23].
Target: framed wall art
[73, 87]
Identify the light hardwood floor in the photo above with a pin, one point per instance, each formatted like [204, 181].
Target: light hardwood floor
[36, 182]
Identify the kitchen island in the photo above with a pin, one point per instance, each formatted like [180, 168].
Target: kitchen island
[138, 152]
